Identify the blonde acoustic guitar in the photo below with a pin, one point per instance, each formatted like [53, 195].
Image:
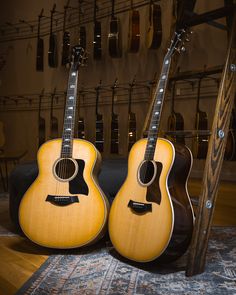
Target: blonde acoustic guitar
[151, 216]
[65, 207]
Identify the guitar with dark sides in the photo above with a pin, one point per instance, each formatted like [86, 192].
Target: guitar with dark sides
[65, 60]
[65, 206]
[134, 30]
[151, 216]
[97, 35]
[154, 33]
[52, 51]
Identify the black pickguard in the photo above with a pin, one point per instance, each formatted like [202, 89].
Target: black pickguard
[78, 185]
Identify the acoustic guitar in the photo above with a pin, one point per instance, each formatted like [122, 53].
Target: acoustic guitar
[134, 30]
[52, 51]
[65, 60]
[132, 134]
[114, 144]
[200, 141]
[82, 29]
[114, 36]
[151, 216]
[40, 47]
[99, 140]
[53, 119]
[175, 120]
[41, 123]
[65, 207]
[154, 33]
[97, 37]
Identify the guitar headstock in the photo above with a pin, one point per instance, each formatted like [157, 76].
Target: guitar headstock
[78, 56]
[178, 41]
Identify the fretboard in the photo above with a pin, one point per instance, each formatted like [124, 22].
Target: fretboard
[157, 108]
[69, 116]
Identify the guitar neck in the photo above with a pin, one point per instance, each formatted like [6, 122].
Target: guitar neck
[156, 114]
[69, 117]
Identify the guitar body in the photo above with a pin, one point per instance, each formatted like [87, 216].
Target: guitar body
[132, 136]
[39, 55]
[200, 144]
[99, 141]
[114, 38]
[52, 52]
[147, 222]
[114, 147]
[134, 31]
[65, 49]
[49, 216]
[97, 49]
[154, 33]
[176, 123]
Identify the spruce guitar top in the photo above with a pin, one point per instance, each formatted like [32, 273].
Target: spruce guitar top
[65, 207]
[151, 216]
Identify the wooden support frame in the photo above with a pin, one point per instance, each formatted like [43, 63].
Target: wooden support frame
[214, 160]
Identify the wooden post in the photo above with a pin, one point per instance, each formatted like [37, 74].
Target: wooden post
[214, 160]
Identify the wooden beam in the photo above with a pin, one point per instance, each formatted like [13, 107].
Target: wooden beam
[214, 160]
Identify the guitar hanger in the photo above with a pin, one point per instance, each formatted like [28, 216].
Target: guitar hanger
[27, 23]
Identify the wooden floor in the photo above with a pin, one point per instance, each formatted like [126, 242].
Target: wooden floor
[19, 258]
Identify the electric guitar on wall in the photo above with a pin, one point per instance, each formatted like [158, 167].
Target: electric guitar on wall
[41, 123]
[175, 120]
[200, 141]
[114, 36]
[154, 33]
[134, 30]
[40, 47]
[65, 60]
[151, 216]
[97, 37]
[99, 141]
[53, 119]
[132, 134]
[52, 51]
[114, 144]
[65, 207]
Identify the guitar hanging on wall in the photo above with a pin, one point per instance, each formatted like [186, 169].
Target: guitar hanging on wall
[134, 30]
[52, 51]
[175, 120]
[40, 47]
[114, 36]
[53, 119]
[99, 139]
[82, 29]
[200, 141]
[152, 216]
[132, 134]
[154, 33]
[65, 60]
[41, 123]
[114, 131]
[65, 207]
[230, 149]
[97, 35]
[81, 123]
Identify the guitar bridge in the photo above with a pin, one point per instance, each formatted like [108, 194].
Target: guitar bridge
[139, 207]
[62, 200]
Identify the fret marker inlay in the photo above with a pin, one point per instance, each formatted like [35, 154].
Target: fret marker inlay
[73, 74]
[72, 86]
[71, 97]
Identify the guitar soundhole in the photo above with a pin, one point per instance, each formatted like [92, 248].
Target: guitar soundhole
[147, 172]
[66, 169]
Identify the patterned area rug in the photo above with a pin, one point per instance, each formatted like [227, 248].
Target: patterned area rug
[99, 270]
